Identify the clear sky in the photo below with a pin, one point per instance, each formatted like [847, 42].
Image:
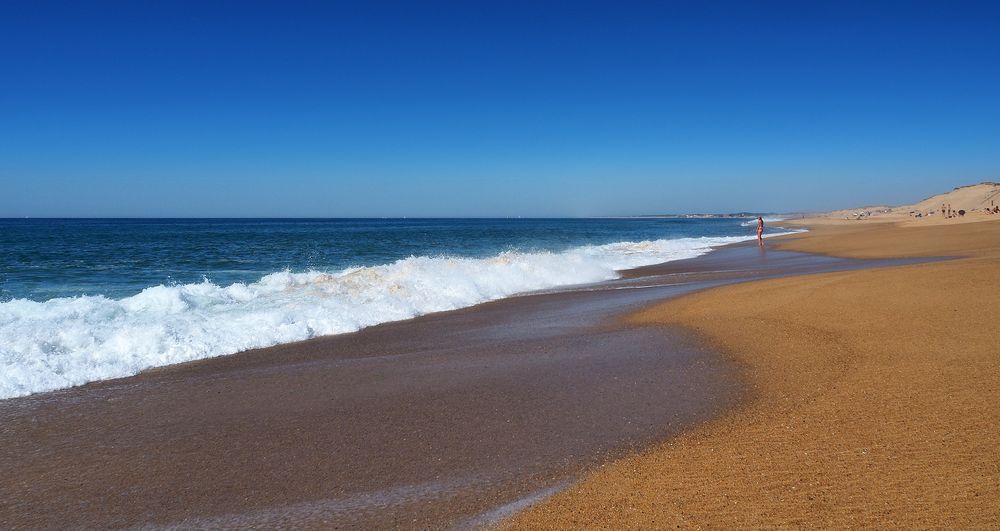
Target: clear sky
[501, 109]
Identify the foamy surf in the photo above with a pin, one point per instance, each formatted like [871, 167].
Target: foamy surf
[64, 342]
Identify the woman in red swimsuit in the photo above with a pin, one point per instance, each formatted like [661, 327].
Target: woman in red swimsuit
[760, 230]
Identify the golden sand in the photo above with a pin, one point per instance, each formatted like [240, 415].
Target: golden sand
[974, 200]
[875, 398]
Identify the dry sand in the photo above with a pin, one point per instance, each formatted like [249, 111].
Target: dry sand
[876, 398]
[974, 199]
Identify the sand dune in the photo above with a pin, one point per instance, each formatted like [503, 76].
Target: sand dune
[973, 199]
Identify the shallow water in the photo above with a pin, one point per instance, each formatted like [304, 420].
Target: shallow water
[98, 299]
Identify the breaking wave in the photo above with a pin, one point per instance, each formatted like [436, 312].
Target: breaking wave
[70, 341]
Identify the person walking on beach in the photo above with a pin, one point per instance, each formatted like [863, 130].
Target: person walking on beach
[760, 230]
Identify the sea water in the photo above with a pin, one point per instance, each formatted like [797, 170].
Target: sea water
[84, 300]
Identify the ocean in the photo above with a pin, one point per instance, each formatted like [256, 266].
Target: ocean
[91, 299]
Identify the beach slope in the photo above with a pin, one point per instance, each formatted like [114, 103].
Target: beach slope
[876, 397]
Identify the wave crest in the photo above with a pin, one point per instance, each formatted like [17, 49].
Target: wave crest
[64, 342]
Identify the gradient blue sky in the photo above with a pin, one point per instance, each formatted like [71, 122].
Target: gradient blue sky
[452, 109]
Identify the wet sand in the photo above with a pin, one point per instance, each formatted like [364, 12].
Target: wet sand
[874, 398]
[448, 419]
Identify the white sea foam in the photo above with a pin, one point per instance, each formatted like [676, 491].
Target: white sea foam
[64, 342]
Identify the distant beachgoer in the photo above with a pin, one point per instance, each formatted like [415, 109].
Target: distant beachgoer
[760, 230]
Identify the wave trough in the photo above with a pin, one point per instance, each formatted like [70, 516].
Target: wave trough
[69, 341]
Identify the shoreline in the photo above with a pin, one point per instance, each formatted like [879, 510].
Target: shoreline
[873, 396]
[438, 419]
[64, 341]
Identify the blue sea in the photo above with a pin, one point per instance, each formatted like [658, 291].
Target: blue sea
[90, 299]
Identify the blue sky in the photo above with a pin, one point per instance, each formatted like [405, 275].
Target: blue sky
[500, 109]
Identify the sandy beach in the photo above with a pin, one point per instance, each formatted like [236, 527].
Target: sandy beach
[457, 418]
[427, 422]
[875, 399]
[826, 391]
[817, 381]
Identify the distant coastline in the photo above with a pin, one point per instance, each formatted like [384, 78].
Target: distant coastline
[733, 215]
